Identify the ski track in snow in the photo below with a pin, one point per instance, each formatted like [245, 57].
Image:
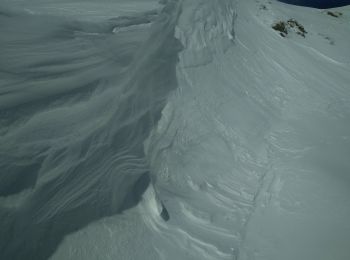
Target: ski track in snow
[185, 129]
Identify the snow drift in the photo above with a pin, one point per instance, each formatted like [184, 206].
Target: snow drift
[185, 130]
[77, 100]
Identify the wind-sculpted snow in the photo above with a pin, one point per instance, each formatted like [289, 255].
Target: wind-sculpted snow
[187, 131]
[77, 102]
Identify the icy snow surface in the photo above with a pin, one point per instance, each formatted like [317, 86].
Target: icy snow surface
[184, 129]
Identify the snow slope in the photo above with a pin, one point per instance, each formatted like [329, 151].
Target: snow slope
[250, 156]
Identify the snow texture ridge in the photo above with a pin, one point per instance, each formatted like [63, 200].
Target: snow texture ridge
[186, 129]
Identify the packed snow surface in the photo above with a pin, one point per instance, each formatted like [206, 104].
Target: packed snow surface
[184, 129]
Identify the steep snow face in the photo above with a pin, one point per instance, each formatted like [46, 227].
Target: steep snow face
[78, 99]
[246, 138]
[255, 143]
[250, 155]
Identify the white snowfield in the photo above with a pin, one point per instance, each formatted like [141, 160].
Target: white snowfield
[250, 156]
